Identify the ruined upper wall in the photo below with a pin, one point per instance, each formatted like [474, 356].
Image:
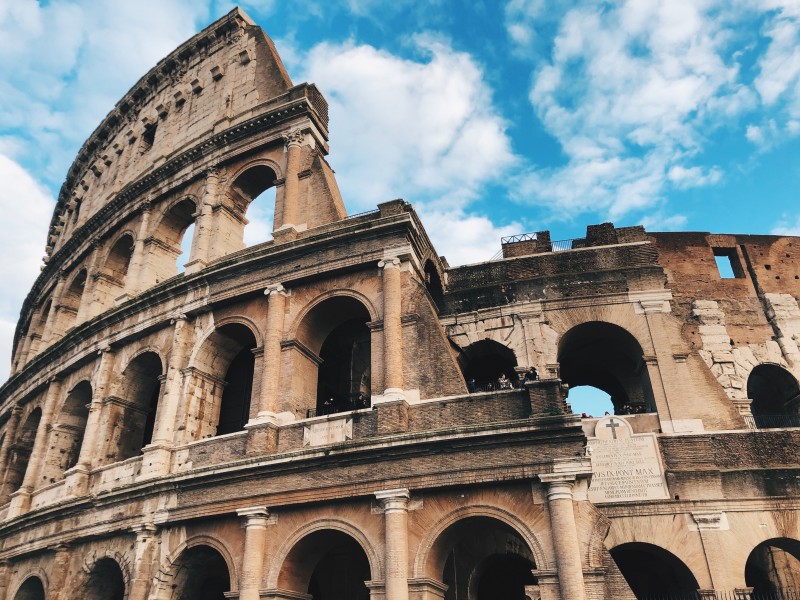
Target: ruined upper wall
[227, 73]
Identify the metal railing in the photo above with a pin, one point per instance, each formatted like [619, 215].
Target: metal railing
[740, 594]
[560, 245]
[771, 421]
[520, 237]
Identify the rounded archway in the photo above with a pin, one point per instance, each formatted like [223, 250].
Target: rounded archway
[168, 257]
[31, 589]
[200, 573]
[19, 454]
[488, 365]
[253, 194]
[605, 356]
[651, 570]
[106, 581]
[482, 558]
[138, 390]
[336, 331]
[775, 396]
[773, 568]
[328, 565]
[67, 433]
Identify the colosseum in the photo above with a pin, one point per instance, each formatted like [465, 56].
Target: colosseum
[339, 414]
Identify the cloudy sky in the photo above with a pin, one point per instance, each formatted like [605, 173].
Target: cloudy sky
[492, 117]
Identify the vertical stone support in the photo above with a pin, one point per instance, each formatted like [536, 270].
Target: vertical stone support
[146, 542]
[294, 140]
[78, 476]
[270, 374]
[395, 512]
[5, 575]
[134, 282]
[201, 252]
[255, 525]
[565, 534]
[21, 499]
[89, 303]
[392, 327]
[10, 436]
[57, 576]
[49, 333]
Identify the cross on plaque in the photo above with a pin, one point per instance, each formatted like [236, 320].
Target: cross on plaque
[613, 425]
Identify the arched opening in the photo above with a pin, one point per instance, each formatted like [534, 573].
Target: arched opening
[253, 194]
[67, 433]
[19, 453]
[607, 357]
[169, 258]
[105, 582]
[773, 568]
[433, 283]
[482, 558]
[328, 565]
[234, 409]
[200, 573]
[590, 401]
[652, 571]
[37, 329]
[31, 589]
[133, 407]
[775, 396]
[119, 259]
[488, 365]
[71, 301]
[336, 331]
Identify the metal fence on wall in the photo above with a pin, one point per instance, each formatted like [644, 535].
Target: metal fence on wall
[782, 594]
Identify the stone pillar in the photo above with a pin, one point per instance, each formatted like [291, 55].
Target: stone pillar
[5, 575]
[182, 338]
[565, 534]
[21, 499]
[57, 576]
[395, 511]
[201, 252]
[135, 281]
[89, 306]
[146, 542]
[50, 330]
[270, 374]
[10, 437]
[294, 140]
[255, 524]
[392, 327]
[78, 476]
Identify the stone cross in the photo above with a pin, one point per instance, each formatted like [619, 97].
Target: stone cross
[613, 425]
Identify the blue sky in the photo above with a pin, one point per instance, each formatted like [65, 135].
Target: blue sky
[493, 118]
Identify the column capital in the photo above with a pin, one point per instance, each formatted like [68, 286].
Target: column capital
[295, 137]
[177, 318]
[559, 485]
[275, 289]
[393, 500]
[143, 530]
[389, 263]
[255, 516]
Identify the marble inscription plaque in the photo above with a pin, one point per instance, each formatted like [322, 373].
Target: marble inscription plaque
[328, 432]
[625, 466]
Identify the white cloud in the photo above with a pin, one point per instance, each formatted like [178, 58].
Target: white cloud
[788, 225]
[425, 130]
[26, 208]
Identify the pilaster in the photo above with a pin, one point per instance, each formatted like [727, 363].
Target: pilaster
[255, 525]
[395, 510]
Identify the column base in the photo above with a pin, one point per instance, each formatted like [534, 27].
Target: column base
[156, 461]
[77, 481]
[20, 503]
[262, 437]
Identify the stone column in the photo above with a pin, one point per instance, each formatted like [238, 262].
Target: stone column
[255, 524]
[146, 542]
[294, 140]
[395, 511]
[134, 282]
[392, 327]
[565, 535]
[78, 476]
[5, 575]
[89, 306]
[270, 374]
[182, 338]
[21, 499]
[201, 253]
[50, 330]
[57, 576]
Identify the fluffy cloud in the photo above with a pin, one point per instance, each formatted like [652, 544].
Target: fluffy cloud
[26, 208]
[788, 225]
[422, 129]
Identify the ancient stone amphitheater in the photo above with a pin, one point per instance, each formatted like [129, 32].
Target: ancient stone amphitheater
[339, 414]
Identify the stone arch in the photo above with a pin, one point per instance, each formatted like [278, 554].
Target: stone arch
[374, 315]
[773, 566]
[423, 566]
[277, 576]
[19, 453]
[132, 405]
[334, 350]
[66, 435]
[606, 356]
[488, 365]
[245, 186]
[173, 223]
[167, 589]
[70, 301]
[774, 392]
[596, 548]
[36, 329]
[33, 586]
[504, 330]
[119, 256]
[107, 577]
[651, 569]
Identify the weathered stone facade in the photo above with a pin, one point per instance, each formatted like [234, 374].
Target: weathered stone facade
[319, 416]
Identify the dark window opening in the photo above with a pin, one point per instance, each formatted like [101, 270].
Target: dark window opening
[344, 374]
[105, 582]
[775, 397]
[149, 137]
[488, 365]
[434, 284]
[652, 571]
[773, 568]
[235, 409]
[201, 574]
[728, 264]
